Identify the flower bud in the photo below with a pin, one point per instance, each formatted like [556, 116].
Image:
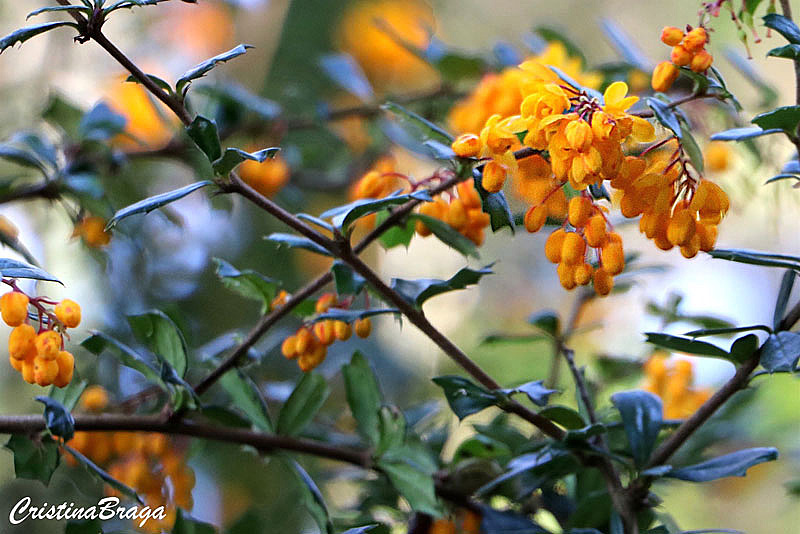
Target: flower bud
[595, 231]
[553, 245]
[695, 39]
[48, 343]
[535, 218]
[573, 249]
[363, 327]
[671, 35]
[701, 61]
[467, 145]
[681, 227]
[612, 257]
[68, 312]
[14, 308]
[664, 75]
[603, 282]
[22, 342]
[680, 56]
[580, 209]
[494, 176]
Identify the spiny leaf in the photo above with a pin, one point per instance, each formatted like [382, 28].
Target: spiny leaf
[23, 34]
[149, 204]
[234, 156]
[447, 234]
[420, 290]
[204, 133]
[728, 465]
[293, 241]
[205, 67]
[16, 269]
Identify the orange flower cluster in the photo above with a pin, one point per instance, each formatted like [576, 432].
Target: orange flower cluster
[150, 463]
[379, 181]
[688, 50]
[502, 93]
[462, 210]
[672, 381]
[40, 356]
[677, 209]
[309, 345]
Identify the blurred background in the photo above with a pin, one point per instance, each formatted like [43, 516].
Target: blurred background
[164, 260]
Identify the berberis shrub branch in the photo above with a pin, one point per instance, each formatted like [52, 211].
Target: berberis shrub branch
[537, 141]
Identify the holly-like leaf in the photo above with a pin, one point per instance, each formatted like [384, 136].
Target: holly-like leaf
[790, 51]
[247, 398]
[149, 204]
[418, 291]
[16, 269]
[780, 352]
[98, 342]
[784, 118]
[535, 390]
[34, 460]
[687, 345]
[303, 404]
[101, 123]
[204, 133]
[495, 204]
[399, 234]
[465, 397]
[57, 418]
[729, 465]
[742, 134]
[447, 234]
[343, 216]
[162, 336]
[363, 397]
[247, 283]
[23, 34]
[532, 461]
[564, 416]
[235, 156]
[350, 315]
[198, 71]
[783, 26]
[641, 414]
[347, 281]
[293, 241]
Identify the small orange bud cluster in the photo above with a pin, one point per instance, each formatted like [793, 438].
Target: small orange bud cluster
[309, 345]
[93, 231]
[378, 182]
[151, 463]
[39, 357]
[267, 177]
[569, 249]
[688, 50]
[673, 382]
[460, 209]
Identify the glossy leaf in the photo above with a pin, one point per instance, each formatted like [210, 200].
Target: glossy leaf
[347, 281]
[782, 300]
[247, 398]
[247, 283]
[757, 258]
[422, 129]
[16, 269]
[343, 216]
[784, 26]
[162, 336]
[742, 134]
[784, 118]
[34, 460]
[465, 397]
[692, 149]
[744, 347]
[399, 234]
[665, 115]
[728, 465]
[205, 135]
[780, 352]
[535, 390]
[182, 85]
[303, 404]
[101, 474]
[232, 157]
[724, 331]
[163, 84]
[522, 464]
[350, 315]
[420, 290]
[641, 414]
[547, 321]
[790, 51]
[98, 343]
[495, 204]
[68, 396]
[149, 204]
[23, 34]
[294, 241]
[363, 397]
[564, 416]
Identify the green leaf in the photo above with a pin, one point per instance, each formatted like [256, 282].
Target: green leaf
[495, 204]
[313, 502]
[68, 396]
[728, 465]
[205, 135]
[782, 300]
[293, 241]
[465, 397]
[399, 234]
[392, 428]
[22, 157]
[16, 269]
[234, 96]
[532, 461]
[247, 398]
[564, 416]
[687, 345]
[784, 26]
[742, 134]
[51, 9]
[58, 419]
[456, 66]
[350, 315]
[23, 34]
[414, 485]
[101, 123]
[692, 149]
[34, 460]
[98, 342]
[247, 283]
[149, 204]
[744, 347]
[665, 115]
[347, 74]
[343, 216]
[512, 338]
[99, 473]
[234, 156]
[163, 84]
[547, 321]
[418, 291]
[783, 118]
[641, 418]
[129, 4]
[790, 51]
[182, 85]
[780, 352]
[347, 281]
[447, 234]
[303, 404]
[757, 258]
[162, 336]
[535, 390]
[186, 524]
[728, 330]
[363, 397]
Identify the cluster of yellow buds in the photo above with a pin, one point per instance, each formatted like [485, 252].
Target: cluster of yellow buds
[309, 345]
[677, 209]
[379, 181]
[688, 50]
[461, 209]
[673, 382]
[267, 177]
[39, 356]
[93, 231]
[502, 93]
[150, 463]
